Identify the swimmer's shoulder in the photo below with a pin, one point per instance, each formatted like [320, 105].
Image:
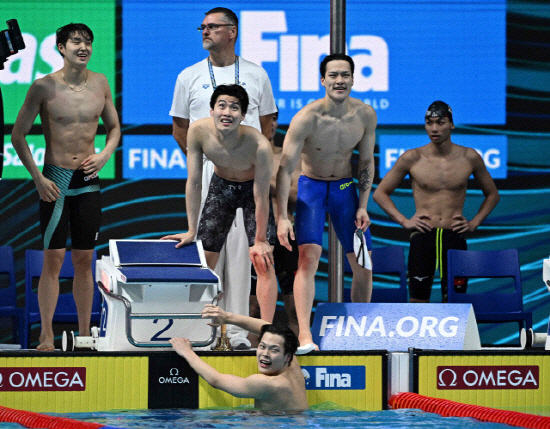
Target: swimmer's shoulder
[253, 136]
[44, 88]
[411, 156]
[468, 153]
[201, 123]
[97, 77]
[200, 127]
[308, 114]
[365, 110]
[47, 82]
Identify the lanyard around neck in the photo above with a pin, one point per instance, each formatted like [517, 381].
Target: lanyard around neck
[213, 79]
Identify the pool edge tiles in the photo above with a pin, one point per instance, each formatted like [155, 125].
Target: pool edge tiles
[84, 381]
[496, 379]
[59, 382]
[100, 381]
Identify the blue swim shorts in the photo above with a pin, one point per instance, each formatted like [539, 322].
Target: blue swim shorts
[339, 198]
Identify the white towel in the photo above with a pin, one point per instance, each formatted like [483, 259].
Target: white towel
[360, 249]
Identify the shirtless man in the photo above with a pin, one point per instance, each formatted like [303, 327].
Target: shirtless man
[243, 163]
[439, 173]
[70, 102]
[286, 263]
[326, 132]
[280, 383]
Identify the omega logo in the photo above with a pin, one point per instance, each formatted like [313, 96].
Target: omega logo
[487, 377]
[174, 378]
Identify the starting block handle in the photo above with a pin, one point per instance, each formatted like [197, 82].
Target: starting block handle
[130, 316]
[165, 316]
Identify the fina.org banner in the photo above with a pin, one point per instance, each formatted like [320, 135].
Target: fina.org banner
[395, 327]
[407, 54]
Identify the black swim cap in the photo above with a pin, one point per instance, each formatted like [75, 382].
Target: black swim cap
[439, 109]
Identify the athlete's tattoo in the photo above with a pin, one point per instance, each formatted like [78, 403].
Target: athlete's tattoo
[365, 182]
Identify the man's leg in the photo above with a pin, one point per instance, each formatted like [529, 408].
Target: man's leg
[421, 266]
[361, 285]
[48, 293]
[290, 309]
[286, 265]
[304, 289]
[83, 288]
[253, 307]
[266, 292]
[211, 259]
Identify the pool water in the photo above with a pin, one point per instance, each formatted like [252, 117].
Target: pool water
[249, 418]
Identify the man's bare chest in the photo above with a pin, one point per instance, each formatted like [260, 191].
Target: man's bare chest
[75, 108]
[340, 137]
[233, 158]
[441, 175]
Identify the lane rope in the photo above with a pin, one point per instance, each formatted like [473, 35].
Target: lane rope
[447, 408]
[31, 419]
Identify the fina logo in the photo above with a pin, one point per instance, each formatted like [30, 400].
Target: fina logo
[334, 377]
[305, 372]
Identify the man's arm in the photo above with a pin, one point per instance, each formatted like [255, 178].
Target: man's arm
[366, 168]
[180, 126]
[386, 187]
[193, 189]
[94, 163]
[262, 176]
[292, 149]
[47, 189]
[256, 386]
[490, 191]
[221, 317]
[266, 122]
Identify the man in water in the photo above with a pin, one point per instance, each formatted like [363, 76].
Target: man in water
[439, 173]
[280, 384]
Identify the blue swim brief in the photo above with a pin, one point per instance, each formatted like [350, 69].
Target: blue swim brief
[339, 198]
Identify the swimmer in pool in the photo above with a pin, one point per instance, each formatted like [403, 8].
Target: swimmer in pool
[280, 384]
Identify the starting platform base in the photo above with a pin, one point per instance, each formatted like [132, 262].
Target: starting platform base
[70, 382]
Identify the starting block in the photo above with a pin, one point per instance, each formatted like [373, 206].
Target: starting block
[153, 292]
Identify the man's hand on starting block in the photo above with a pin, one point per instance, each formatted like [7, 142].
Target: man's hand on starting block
[214, 312]
[183, 238]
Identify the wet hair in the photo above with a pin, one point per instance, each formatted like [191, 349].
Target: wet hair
[439, 109]
[232, 90]
[290, 342]
[229, 17]
[63, 34]
[336, 57]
